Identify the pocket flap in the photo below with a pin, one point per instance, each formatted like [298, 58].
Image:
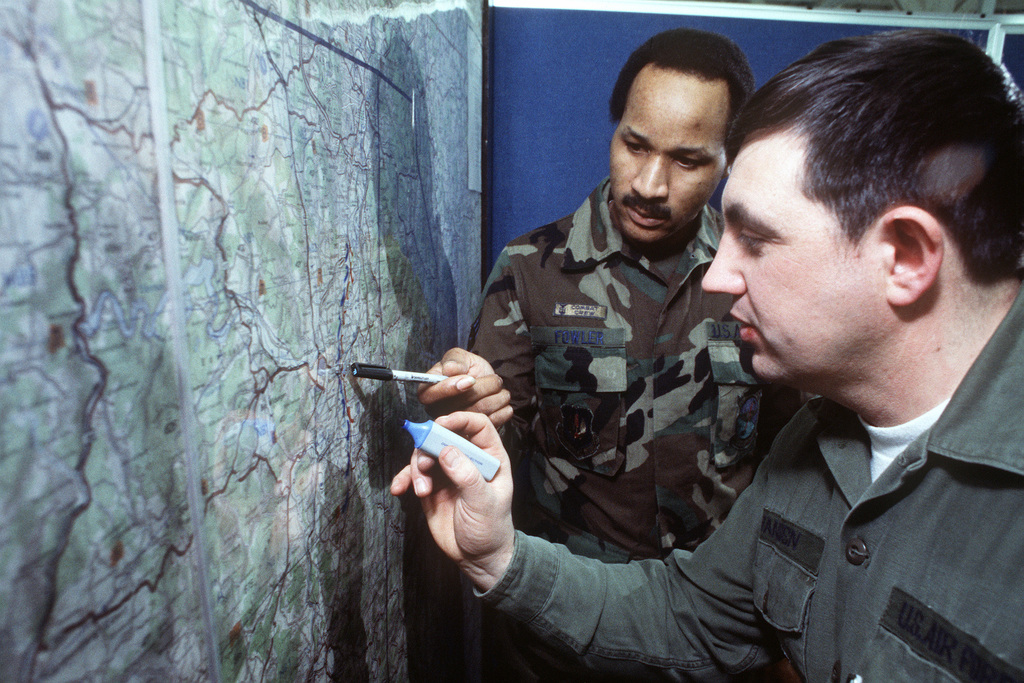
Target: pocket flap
[786, 562]
[580, 359]
[724, 352]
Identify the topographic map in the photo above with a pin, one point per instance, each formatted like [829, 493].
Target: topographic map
[208, 210]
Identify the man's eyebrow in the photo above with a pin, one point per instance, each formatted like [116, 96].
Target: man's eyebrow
[691, 154]
[676, 152]
[631, 132]
[739, 216]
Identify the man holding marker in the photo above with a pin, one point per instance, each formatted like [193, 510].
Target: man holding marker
[635, 421]
[872, 246]
[631, 406]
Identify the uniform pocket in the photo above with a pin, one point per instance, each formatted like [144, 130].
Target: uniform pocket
[783, 595]
[581, 377]
[785, 573]
[734, 432]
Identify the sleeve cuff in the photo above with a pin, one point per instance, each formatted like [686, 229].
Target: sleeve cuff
[524, 588]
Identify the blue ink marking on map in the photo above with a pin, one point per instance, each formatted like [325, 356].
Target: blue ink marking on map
[38, 127]
[22, 276]
[261, 426]
[222, 331]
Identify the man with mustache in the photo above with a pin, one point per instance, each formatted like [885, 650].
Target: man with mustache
[635, 423]
[632, 414]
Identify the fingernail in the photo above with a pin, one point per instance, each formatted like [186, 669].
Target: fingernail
[420, 486]
[465, 383]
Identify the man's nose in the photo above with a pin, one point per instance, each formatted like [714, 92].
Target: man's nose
[651, 182]
[723, 275]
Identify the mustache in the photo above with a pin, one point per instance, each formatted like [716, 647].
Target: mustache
[650, 209]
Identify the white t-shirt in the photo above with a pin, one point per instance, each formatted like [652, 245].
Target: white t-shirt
[889, 442]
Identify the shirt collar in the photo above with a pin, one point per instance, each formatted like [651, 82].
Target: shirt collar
[593, 238]
[982, 423]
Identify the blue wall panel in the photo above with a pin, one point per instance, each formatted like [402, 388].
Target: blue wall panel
[552, 72]
[1013, 56]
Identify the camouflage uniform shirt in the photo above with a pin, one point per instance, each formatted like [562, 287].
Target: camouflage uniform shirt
[633, 416]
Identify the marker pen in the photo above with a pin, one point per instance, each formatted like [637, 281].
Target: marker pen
[387, 374]
[432, 438]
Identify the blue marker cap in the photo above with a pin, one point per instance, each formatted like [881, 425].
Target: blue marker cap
[432, 438]
[419, 431]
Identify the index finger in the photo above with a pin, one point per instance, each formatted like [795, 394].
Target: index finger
[445, 389]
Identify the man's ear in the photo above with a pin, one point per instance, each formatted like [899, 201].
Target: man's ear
[914, 243]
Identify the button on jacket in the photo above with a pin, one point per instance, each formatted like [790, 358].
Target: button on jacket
[633, 412]
[918, 576]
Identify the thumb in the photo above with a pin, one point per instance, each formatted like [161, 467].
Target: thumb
[460, 470]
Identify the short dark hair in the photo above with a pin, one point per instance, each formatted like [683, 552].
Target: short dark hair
[708, 56]
[916, 116]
